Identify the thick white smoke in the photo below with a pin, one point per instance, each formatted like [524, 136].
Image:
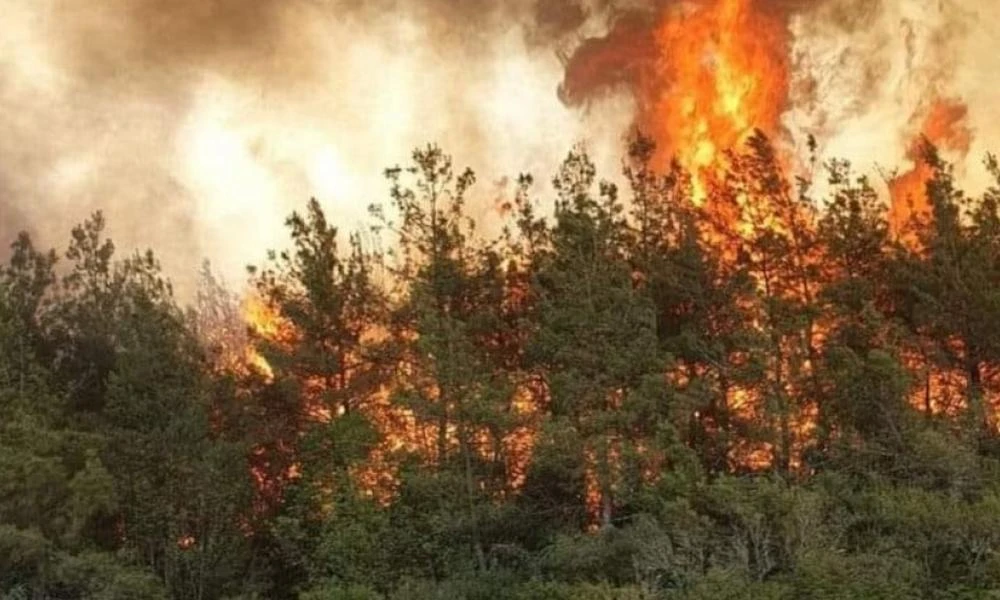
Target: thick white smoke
[866, 74]
[198, 126]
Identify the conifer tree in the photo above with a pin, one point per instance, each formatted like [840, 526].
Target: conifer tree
[596, 335]
[769, 231]
[449, 335]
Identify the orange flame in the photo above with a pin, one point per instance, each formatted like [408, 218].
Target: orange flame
[722, 71]
[944, 126]
[704, 74]
[266, 323]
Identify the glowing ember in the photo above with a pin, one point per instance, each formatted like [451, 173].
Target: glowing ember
[186, 542]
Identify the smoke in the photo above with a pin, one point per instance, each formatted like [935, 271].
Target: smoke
[198, 125]
[869, 73]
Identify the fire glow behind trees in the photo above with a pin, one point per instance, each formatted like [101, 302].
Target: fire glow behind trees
[707, 358]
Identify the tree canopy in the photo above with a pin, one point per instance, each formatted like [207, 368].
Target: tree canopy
[625, 394]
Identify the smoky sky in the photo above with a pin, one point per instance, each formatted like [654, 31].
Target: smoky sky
[198, 125]
[95, 97]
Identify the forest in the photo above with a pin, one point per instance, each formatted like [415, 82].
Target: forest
[633, 392]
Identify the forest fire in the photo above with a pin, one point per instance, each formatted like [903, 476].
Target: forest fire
[706, 76]
[694, 349]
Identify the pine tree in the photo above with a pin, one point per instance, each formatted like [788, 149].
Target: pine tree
[58, 500]
[945, 288]
[596, 335]
[865, 384]
[449, 335]
[327, 302]
[769, 231]
[314, 421]
[697, 295]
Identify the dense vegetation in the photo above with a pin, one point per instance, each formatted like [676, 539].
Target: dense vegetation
[761, 395]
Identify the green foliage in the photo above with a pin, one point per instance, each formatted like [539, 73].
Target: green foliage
[761, 396]
[102, 577]
[336, 592]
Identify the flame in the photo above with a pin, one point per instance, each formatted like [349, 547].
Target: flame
[704, 75]
[264, 322]
[722, 71]
[400, 430]
[946, 127]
